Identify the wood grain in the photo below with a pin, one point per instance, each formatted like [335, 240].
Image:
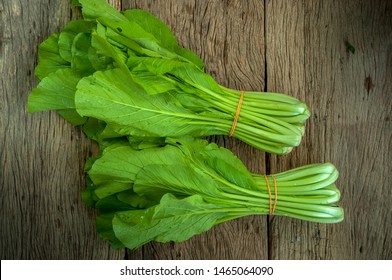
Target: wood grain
[299, 49]
[228, 36]
[42, 215]
[349, 95]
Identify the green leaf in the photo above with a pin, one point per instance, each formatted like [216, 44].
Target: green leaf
[94, 9]
[115, 98]
[75, 46]
[225, 163]
[105, 189]
[56, 92]
[140, 143]
[178, 168]
[67, 36]
[153, 84]
[172, 220]
[49, 59]
[197, 78]
[131, 198]
[122, 163]
[105, 230]
[71, 116]
[99, 62]
[140, 40]
[87, 194]
[198, 105]
[80, 61]
[134, 37]
[192, 57]
[102, 47]
[127, 29]
[158, 66]
[112, 203]
[108, 132]
[180, 179]
[93, 128]
[154, 26]
[100, 132]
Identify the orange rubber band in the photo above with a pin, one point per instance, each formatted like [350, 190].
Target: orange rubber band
[276, 194]
[272, 207]
[237, 114]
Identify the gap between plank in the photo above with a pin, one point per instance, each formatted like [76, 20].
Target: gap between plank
[267, 155]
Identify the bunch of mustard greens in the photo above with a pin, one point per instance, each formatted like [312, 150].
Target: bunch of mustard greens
[128, 71]
[172, 192]
[123, 77]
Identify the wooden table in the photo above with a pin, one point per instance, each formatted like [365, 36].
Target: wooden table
[334, 55]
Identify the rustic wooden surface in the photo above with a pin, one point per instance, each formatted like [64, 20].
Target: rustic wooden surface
[350, 96]
[299, 49]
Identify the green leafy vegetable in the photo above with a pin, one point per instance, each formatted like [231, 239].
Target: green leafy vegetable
[192, 185]
[171, 220]
[147, 102]
[49, 58]
[152, 86]
[57, 92]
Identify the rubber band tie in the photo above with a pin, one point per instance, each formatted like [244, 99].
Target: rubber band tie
[272, 207]
[237, 114]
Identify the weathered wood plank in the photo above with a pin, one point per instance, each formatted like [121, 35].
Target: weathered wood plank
[41, 155]
[229, 37]
[349, 95]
